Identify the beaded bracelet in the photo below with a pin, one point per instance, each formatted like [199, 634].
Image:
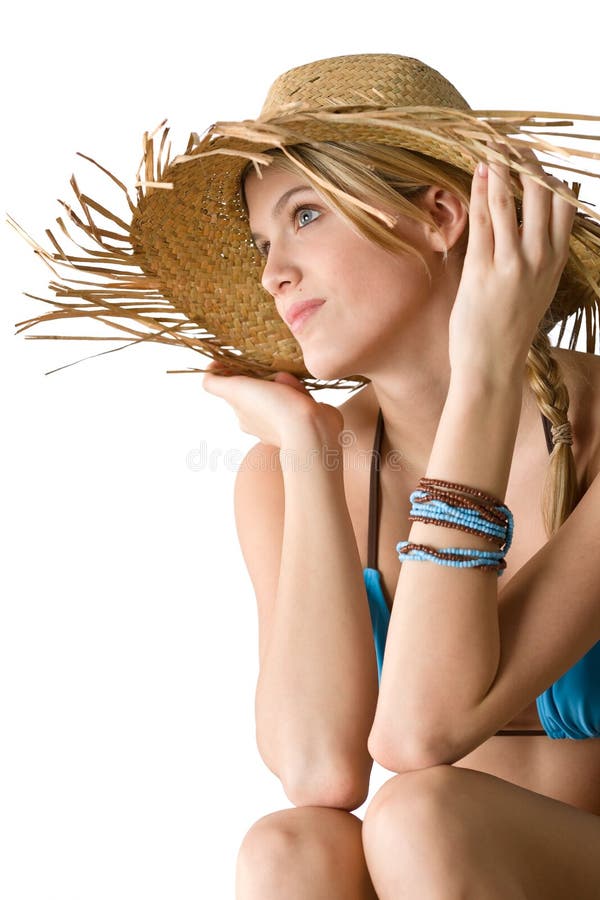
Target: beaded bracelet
[490, 513]
[475, 501]
[467, 509]
[470, 520]
[456, 557]
[462, 488]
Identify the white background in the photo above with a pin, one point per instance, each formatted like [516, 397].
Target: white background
[128, 633]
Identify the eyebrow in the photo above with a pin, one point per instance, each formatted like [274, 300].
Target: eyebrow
[281, 203]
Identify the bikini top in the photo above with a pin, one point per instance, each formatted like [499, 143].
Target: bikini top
[569, 708]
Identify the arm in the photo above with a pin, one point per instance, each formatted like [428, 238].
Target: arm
[317, 685]
[555, 594]
[317, 691]
[444, 644]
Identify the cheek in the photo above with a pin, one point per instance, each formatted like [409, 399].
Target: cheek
[379, 284]
[370, 280]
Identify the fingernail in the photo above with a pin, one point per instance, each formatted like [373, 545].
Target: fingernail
[482, 169]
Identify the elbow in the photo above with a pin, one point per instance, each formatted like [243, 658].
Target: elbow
[321, 780]
[408, 755]
[328, 789]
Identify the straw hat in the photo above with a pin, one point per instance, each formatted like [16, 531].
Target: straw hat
[184, 270]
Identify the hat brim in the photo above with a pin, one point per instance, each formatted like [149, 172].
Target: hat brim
[199, 229]
[190, 243]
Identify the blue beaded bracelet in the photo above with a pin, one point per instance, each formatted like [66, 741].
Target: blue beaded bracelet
[473, 558]
[445, 514]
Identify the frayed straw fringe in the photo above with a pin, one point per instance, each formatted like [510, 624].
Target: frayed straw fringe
[129, 294]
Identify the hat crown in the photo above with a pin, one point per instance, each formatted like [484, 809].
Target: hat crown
[380, 79]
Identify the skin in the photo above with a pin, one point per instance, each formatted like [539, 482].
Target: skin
[427, 344]
[321, 255]
[326, 258]
[407, 348]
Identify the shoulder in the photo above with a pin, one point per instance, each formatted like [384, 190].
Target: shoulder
[258, 487]
[582, 367]
[258, 493]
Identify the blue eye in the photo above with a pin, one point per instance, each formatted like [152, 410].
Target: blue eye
[305, 211]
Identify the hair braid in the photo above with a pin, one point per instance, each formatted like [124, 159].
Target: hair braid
[561, 490]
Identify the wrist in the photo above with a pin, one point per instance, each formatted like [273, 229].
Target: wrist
[482, 378]
[321, 424]
[308, 445]
[476, 434]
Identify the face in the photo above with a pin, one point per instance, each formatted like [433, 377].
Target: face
[372, 300]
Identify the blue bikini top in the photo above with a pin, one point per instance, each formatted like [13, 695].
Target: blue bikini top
[569, 708]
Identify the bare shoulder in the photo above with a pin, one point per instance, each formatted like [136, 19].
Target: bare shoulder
[581, 373]
[259, 493]
[583, 367]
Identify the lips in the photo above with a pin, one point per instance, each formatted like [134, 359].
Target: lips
[297, 309]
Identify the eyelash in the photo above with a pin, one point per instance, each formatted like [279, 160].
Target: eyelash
[302, 206]
[264, 248]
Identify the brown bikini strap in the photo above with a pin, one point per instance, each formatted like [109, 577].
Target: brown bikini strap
[548, 433]
[374, 495]
[373, 533]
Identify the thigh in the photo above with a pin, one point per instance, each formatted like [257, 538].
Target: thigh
[460, 824]
[304, 851]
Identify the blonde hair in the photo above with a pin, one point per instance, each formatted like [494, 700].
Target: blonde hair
[369, 184]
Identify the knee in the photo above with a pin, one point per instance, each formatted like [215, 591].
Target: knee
[266, 851]
[284, 847]
[413, 834]
[419, 786]
[412, 803]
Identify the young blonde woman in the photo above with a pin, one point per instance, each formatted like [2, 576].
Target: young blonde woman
[424, 555]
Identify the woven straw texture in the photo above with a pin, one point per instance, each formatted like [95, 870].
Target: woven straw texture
[184, 270]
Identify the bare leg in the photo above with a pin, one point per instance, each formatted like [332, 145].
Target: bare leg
[449, 832]
[304, 853]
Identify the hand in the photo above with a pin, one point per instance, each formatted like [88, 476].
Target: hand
[510, 272]
[273, 409]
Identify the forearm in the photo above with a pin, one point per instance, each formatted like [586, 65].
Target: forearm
[443, 647]
[317, 691]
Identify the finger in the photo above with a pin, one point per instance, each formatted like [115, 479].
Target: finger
[291, 380]
[537, 205]
[501, 203]
[526, 154]
[562, 216]
[481, 236]
[212, 383]
[219, 383]
[217, 367]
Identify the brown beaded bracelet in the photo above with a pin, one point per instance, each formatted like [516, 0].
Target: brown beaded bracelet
[424, 483]
[496, 516]
[472, 499]
[442, 522]
[444, 554]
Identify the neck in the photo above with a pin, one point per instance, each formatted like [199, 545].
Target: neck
[411, 408]
[412, 405]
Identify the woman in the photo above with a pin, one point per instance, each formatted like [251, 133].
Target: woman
[390, 262]
[466, 655]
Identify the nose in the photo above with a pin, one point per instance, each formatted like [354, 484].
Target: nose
[280, 272]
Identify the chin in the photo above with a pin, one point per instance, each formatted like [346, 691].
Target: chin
[330, 370]
[328, 373]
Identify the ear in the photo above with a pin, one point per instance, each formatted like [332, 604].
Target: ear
[448, 213]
